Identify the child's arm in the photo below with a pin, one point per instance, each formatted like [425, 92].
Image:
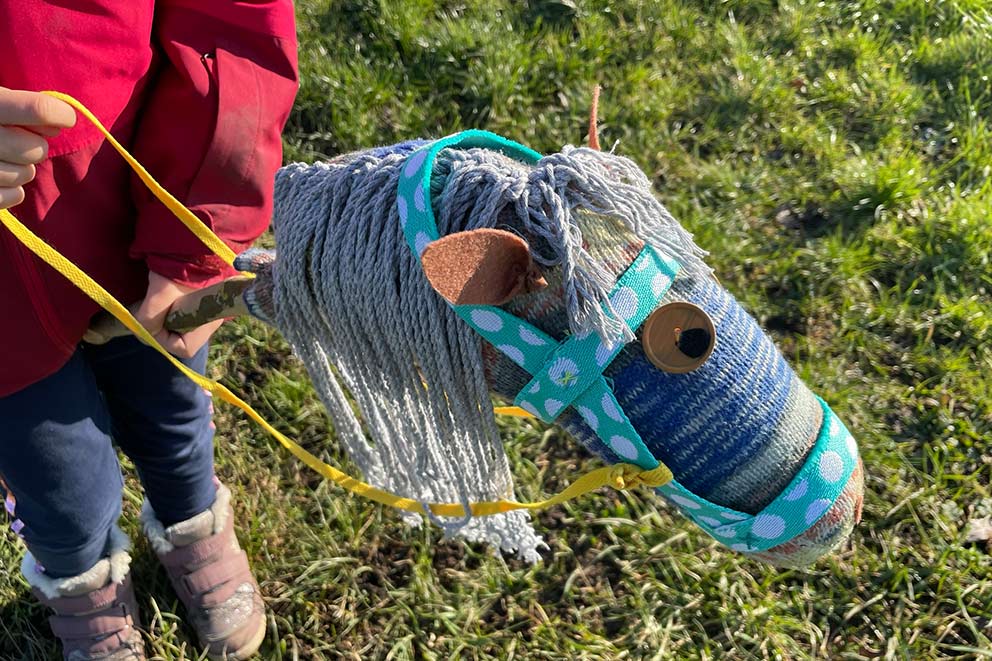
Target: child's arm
[26, 119]
[210, 131]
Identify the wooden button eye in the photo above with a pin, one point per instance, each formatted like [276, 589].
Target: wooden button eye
[678, 337]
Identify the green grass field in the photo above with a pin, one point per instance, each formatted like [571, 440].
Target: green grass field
[835, 159]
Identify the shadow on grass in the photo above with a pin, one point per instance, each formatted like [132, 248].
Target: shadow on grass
[24, 632]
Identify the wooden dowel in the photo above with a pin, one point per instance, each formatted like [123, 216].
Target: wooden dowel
[220, 301]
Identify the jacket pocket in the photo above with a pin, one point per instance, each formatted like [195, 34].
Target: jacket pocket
[227, 166]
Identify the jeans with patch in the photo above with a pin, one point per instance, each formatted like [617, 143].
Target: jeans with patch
[57, 458]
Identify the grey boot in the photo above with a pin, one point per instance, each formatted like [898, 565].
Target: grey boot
[210, 573]
[96, 615]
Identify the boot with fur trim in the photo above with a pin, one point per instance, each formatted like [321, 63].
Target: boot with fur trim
[210, 573]
[96, 615]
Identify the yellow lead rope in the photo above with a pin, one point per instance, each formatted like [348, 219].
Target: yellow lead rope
[187, 217]
[619, 476]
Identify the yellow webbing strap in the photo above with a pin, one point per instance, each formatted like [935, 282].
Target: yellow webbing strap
[619, 476]
[513, 412]
[187, 217]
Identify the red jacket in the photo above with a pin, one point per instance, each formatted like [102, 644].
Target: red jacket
[199, 91]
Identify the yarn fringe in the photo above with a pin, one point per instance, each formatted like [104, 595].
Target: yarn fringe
[399, 374]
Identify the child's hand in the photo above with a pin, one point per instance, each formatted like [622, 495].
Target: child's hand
[162, 293]
[26, 119]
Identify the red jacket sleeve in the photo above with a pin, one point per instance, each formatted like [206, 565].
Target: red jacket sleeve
[211, 127]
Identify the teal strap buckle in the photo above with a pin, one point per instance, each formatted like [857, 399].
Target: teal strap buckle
[530, 349]
[579, 361]
[535, 351]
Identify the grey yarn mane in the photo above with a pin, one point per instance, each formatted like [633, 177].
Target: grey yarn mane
[352, 300]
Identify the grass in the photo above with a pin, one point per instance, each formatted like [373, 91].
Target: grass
[834, 157]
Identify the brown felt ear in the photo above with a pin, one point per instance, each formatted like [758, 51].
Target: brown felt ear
[481, 267]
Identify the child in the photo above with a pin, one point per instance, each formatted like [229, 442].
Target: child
[199, 92]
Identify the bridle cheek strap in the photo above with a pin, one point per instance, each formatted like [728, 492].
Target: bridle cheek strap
[565, 373]
[570, 373]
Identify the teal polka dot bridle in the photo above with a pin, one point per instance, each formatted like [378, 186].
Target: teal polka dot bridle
[570, 373]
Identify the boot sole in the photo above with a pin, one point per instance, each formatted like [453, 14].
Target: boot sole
[246, 650]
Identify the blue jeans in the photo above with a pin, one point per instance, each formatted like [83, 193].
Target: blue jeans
[57, 460]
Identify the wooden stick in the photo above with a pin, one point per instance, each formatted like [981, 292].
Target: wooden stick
[220, 301]
[594, 120]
